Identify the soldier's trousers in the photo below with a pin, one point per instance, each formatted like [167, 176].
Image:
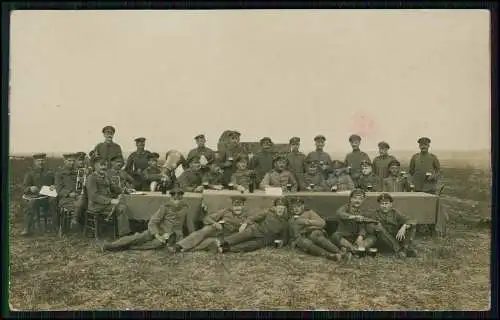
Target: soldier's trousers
[196, 238]
[193, 220]
[33, 208]
[386, 237]
[346, 231]
[250, 239]
[316, 243]
[74, 206]
[131, 240]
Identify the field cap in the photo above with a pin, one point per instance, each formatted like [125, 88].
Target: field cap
[238, 199]
[320, 137]
[176, 190]
[280, 201]
[384, 197]
[69, 155]
[424, 140]
[153, 155]
[200, 136]
[241, 158]
[266, 139]
[383, 144]
[295, 201]
[234, 133]
[140, 139]
[116, 158]
[365, 163]
[354, 137]
[394, 163]
[39, 156]
[280, 156]
[357, 192]
[294, 140]
[108, 128]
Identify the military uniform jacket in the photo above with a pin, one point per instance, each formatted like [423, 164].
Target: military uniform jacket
[37, 177]
[212, 178]
[242, 178]
[100, 191]
[279, 180]
[396, 184]
[232, 221]
[108, 150]
[296, 162]
[189, 180]
[343, 182]
[137, 161]
[268, 223]
[353, 159]
[262, 163]
[65, 181]
[229, 169]
[208, 153]
[316, 179]
[307, 222]
[152, 174]
[169, 218]
[343, 214]
[420, 164]
[393, 220]
[125, 180]
[319, 156]
[381, 166]
[372, 180]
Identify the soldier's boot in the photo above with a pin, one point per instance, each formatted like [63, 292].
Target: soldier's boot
[310, 247]
[150, 245]
[344, 243]
[319, 239]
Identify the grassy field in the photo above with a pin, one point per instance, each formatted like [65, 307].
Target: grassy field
[451, 273]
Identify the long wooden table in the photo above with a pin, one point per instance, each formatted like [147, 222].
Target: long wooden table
[422, 207]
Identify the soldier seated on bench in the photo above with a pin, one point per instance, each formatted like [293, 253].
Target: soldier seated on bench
[393, 229]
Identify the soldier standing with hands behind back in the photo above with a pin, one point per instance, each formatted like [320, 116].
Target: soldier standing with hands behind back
[108, 149]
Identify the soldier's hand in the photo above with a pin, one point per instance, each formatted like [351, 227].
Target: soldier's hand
[401, 233]
[72, 194]
[34, 189]
[218, 226]
[114, 201]
[159, 238]
[243, 227]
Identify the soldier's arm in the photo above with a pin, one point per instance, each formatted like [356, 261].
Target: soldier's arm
[403, 219]
[362, 231]
[184, 183]
[411, 169]
[28, 182]
[293, 182]
[119, 151]
[257, 217]
[437, 167]
[92, 193]
[315, 220]
[265, 181]
[342, 213]
[129, 163]
[62, 190]
[154, 222]
[349, 182]
[213, 217]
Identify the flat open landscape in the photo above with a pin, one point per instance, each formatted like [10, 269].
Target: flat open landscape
[450, 273]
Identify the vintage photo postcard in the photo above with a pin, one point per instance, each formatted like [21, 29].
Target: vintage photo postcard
[250, 160]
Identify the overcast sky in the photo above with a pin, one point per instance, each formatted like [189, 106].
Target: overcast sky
[169, 75]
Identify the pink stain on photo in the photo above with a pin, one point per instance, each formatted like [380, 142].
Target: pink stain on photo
[363, 124]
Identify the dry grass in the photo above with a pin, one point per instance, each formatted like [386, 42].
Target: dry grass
[452, 273]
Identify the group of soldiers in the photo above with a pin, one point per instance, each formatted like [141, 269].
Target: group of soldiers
[94, 183]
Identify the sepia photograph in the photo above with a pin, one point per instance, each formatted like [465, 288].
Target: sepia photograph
[250, 160]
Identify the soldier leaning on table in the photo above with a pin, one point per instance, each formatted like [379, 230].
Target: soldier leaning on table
[68, 197]
[319, 155]
[381, 162]
[270, 225]
[349, 230]
[368, 181]
[191, 179]
[396, 182]
[164, 227]
[119, 177]
[262, 162]
[393, 230]
[242, 177]
[200, 151]
[151, 173]
[425, 168]
[296, 159]
[280, 177]
[137, 162]
[339, 179]
[313, 179]
[353, 159]
[213, 178]
[220, 223]
[227, 156]
[103, 196]
[307, 232]
[36, 177]
[108, 149]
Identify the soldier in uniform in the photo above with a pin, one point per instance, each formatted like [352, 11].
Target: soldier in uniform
[152, 172]
[223, 223]
[103, 196]
[308, 234]
[368, 181]
[319, 155]
[36, 177]
[350, 229]
[425, 168]
[137, 162]
[296, 159]
[269, 226]
[313, 180]
[280, 177]
[82, 163]
[393, 229]
[68, 197]
[262, 162]
[191, 179]
[339, 179]
[227, 156]
[164, 227]
[242, 177]
[396, 182]
[119, 177]
[201, 151]
[213, 177]
[108, 149]
[381, 162]
[354, 158]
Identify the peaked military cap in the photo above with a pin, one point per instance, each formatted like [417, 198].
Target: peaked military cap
[234, 133]
[280, 201]
[394, 163]
[365, 163]
[69, 155]
[39, 156]
[140, 139]
[266, 139]
[357, 192]
[319, 137]
[280, 156]
[241, 158]
[153, 155]
[424, 140]
[200, 136]
[384, 197]
[337, 164]
[294, 140]
[238, 199]
[383, 144]
[176, 190]
[108, 128]
[295, 200]
[116, 158]
[354, 137]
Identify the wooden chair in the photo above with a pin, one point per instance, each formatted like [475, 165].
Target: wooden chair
[64, 221]
[94, 221]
